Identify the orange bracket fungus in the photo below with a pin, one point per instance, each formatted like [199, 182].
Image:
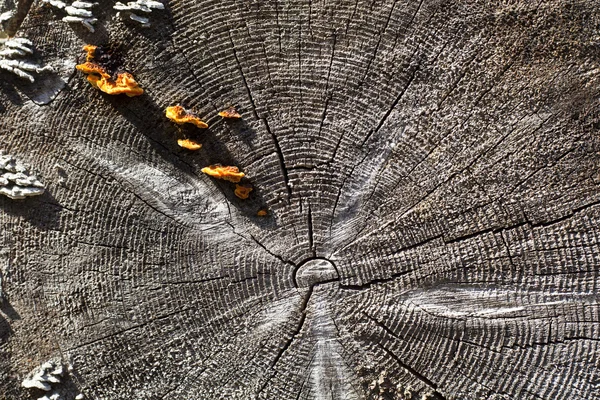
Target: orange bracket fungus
[180, 115]
[90, 50]
[242, 191]
[230, 113]
[231, 174]
[103, 73]
[189, 144]
[124, 84]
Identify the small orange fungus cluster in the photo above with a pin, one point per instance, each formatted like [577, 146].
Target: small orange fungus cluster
[231, 174]
[124, 84]
[102, 67]
[111, 82]
[91, 51]
[230, 113]
[242, 191]
[180, 115]
[189, 144]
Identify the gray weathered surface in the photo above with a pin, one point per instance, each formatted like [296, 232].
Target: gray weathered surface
[444, 155]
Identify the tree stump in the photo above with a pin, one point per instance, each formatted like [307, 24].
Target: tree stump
[430, 173]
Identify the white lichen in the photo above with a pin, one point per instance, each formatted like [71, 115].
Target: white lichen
[10, 52]
[43, 377]
[16, 181]
[6, 16]
[78, 12]
[56, 3]
[145, 6]
[16, 47]
[141, 20]
[53, 396]
[87, 22]
[58, 371]
[22, 69]
[82, 4]
[140, 5]
[35, 383]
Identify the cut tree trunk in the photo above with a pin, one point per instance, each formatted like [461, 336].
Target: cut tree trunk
[431, 175]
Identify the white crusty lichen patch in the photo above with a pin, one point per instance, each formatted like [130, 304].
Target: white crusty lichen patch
[78, 11]
[53, 396]
[13, 58]
[143, 6]
[48, 378]
[44, 377]
[5, 17]
[16, 181]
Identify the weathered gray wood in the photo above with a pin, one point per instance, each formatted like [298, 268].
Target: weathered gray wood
[442, 155]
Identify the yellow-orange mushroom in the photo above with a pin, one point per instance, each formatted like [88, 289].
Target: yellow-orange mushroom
[180, 115]
[92, 68]
[124, 84]
[231, 174]
[91, 51]
[189, 144]
[100, 78]
[230, 113]
[242, 191]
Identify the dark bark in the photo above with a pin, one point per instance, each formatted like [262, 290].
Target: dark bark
[443, 156]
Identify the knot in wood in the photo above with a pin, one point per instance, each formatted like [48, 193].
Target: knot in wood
[314, 271]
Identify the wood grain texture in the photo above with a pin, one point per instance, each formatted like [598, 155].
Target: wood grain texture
[443, 156]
